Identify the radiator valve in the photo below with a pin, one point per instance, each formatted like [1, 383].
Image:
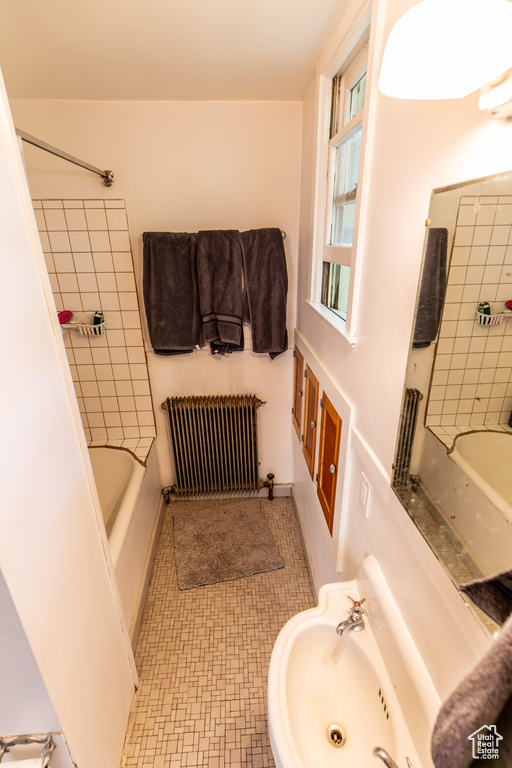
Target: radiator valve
[269, 483]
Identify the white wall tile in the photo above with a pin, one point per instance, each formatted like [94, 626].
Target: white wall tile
[463, 236]
[123, 261]
[55, 220]
[119, 241]
[107, 282]
[87, 282]
[500, 235]
[80, 242]
[108, 300]
[485, 215]
[92, 268]
[96, 219]
[125, 282]
[103, 261]
[83, 262]
[128, 301]
[116, 219]
[59, 242]
[63, 262]
[482, 236]
[130, 319]
[75, 219]
[67, 282]
[99, 241]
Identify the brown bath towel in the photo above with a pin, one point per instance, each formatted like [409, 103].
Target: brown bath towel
[482, 703]
[266, 289]
[433, 288]
[219, 269]
[170, 292]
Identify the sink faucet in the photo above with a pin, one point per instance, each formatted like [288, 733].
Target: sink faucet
[355, 619]
[386, 758]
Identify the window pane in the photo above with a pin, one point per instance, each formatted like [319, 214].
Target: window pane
[345, 185]
[357, 94]
[335, 285]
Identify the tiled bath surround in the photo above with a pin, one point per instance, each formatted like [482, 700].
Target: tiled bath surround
[87, 251]
[472, 376]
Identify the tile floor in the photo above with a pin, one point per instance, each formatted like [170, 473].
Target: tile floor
[203, 657]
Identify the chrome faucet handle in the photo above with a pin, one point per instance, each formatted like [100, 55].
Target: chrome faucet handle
[357, 605]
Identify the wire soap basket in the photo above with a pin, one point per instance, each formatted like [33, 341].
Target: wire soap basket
[89, 326]
[489, 319]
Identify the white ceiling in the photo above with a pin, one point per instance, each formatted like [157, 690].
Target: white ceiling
[163, 49]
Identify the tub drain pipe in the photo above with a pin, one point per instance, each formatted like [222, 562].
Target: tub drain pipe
[269, 483]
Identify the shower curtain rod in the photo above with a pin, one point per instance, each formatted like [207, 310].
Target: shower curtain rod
[107, 176]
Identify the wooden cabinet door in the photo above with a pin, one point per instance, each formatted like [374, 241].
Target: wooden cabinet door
[330, 436]
[297, 391]
[310, 411]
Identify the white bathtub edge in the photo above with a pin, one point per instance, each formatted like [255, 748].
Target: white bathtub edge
[136, 619]
[118, 533]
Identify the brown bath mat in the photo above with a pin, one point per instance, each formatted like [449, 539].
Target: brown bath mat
[220, 540]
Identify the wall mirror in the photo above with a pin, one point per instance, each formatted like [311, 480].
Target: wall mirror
[453, 464]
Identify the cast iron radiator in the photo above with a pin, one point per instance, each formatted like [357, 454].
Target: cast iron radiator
[214, 441]
[408, 419]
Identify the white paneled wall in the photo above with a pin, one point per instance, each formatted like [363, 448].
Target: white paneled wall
[88, 256]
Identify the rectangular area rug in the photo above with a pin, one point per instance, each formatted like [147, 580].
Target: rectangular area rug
[220, 540]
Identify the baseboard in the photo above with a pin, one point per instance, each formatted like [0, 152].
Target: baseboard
[280, 489]
[146, 575]
[313, 580]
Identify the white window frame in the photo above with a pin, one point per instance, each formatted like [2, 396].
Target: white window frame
[322, 250]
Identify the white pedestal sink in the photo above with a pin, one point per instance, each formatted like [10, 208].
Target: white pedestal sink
[332, 699]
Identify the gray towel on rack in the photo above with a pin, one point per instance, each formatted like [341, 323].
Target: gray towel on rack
[170, 292]
[492, 594]
[266, 289]
[483, 700]
[219, 269]
[433, 288]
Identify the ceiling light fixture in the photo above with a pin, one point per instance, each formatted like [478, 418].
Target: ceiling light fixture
[446, 49]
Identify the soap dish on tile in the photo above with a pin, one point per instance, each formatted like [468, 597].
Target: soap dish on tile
[85, 328]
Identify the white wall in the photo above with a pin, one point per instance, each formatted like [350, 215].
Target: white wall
[413, 147]
[184, 166]
[67, 654]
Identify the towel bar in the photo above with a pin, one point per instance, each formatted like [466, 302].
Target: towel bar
[282, 232]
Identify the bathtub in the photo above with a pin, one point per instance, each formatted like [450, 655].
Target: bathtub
[486, 459]
[132, 507]
[473, 487]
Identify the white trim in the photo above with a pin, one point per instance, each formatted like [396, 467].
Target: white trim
[334, 320]
[346, 411]
[344, 40]
[339, 254]
[359, 21]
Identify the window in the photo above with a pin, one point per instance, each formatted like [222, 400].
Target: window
[344, 172]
